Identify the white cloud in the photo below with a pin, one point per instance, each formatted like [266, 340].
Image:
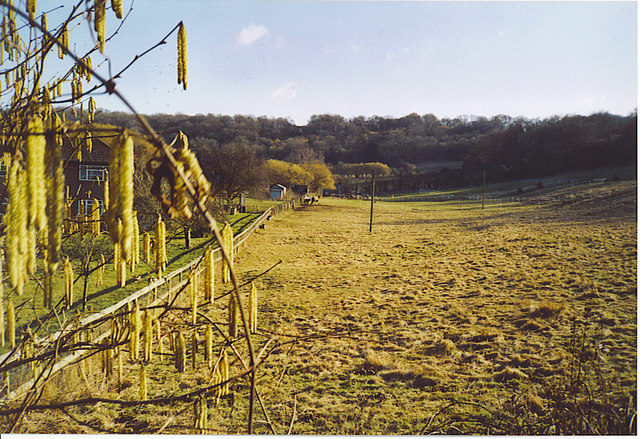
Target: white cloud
[355, 48]
[289, 90]
[252, 33]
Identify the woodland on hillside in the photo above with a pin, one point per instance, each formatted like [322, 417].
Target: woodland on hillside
[507, 148]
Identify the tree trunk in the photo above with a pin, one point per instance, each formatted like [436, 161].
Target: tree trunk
[84, 293]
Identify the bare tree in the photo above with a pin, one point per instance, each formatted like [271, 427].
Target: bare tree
[232, 168]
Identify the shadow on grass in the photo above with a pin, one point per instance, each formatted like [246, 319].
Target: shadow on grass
[149, 274]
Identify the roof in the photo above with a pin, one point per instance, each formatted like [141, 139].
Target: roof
[99, 153]
[278, 186]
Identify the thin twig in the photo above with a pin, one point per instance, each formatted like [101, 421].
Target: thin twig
[100, 429]
[128, 403]
[170, 420]
[293, 415]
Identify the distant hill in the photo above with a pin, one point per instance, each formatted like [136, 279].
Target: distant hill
[506, 147]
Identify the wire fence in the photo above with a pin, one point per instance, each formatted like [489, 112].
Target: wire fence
[518, 195]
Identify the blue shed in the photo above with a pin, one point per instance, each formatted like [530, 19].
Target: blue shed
[277, 191]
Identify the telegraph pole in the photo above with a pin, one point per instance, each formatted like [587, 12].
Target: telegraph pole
[484, 178]
[373, 191]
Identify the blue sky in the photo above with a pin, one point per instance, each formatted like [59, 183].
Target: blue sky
[294, 59]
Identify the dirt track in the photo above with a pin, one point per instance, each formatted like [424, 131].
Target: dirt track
[440, 302]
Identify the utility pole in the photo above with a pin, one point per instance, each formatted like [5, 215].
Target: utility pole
[373, 192]
[484, 178]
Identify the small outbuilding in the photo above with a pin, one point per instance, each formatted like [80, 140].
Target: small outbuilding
[277, 192]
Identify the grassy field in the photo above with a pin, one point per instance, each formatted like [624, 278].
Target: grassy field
[446, 319]
[511, 187]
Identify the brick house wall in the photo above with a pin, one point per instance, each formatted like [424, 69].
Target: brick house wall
[80, 177]
[85, 179]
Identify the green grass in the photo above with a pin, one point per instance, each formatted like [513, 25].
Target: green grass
[513, 186]
[29, 306]
[254, 204]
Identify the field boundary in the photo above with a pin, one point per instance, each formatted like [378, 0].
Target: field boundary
[507, 196]
[21, 378]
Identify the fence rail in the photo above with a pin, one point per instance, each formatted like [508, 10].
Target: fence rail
[20, 380]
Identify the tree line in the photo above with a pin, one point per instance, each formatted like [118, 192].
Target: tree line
[506, 147]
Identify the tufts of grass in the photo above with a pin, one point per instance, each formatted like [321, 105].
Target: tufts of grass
[418, 379]
[485, 335]
[547, 310]
[508, 374]
[444, 347]
[529, 325]
[376, 361]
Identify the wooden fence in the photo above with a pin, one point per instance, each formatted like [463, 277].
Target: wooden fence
[98, 328]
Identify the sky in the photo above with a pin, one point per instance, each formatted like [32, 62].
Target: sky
[295, 59]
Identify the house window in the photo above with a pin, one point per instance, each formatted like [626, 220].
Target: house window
[92, 172]
[85, 206]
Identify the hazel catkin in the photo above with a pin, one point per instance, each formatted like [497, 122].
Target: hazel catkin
[116, 5]
[182, 56]
[194, 348]
[253, 309]
[68, 283]
[135, 242]
[143, 382]
[125, 193]
[227, 244]
[36, 146]
[17, 240]
[99, 23]
[224, 372]
[54, 211]
[180, 353]
[120, 370]
[209, 275]
[208, 346]
[95, 217]
[31, 8]
[148, 336]
[200, 414]
[146, 247]
[134, 332]
[232, 317]
[160, 253]
[11, 325]
[193, 289]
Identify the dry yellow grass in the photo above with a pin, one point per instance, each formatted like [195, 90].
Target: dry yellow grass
[486, 300]
[442, 302]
